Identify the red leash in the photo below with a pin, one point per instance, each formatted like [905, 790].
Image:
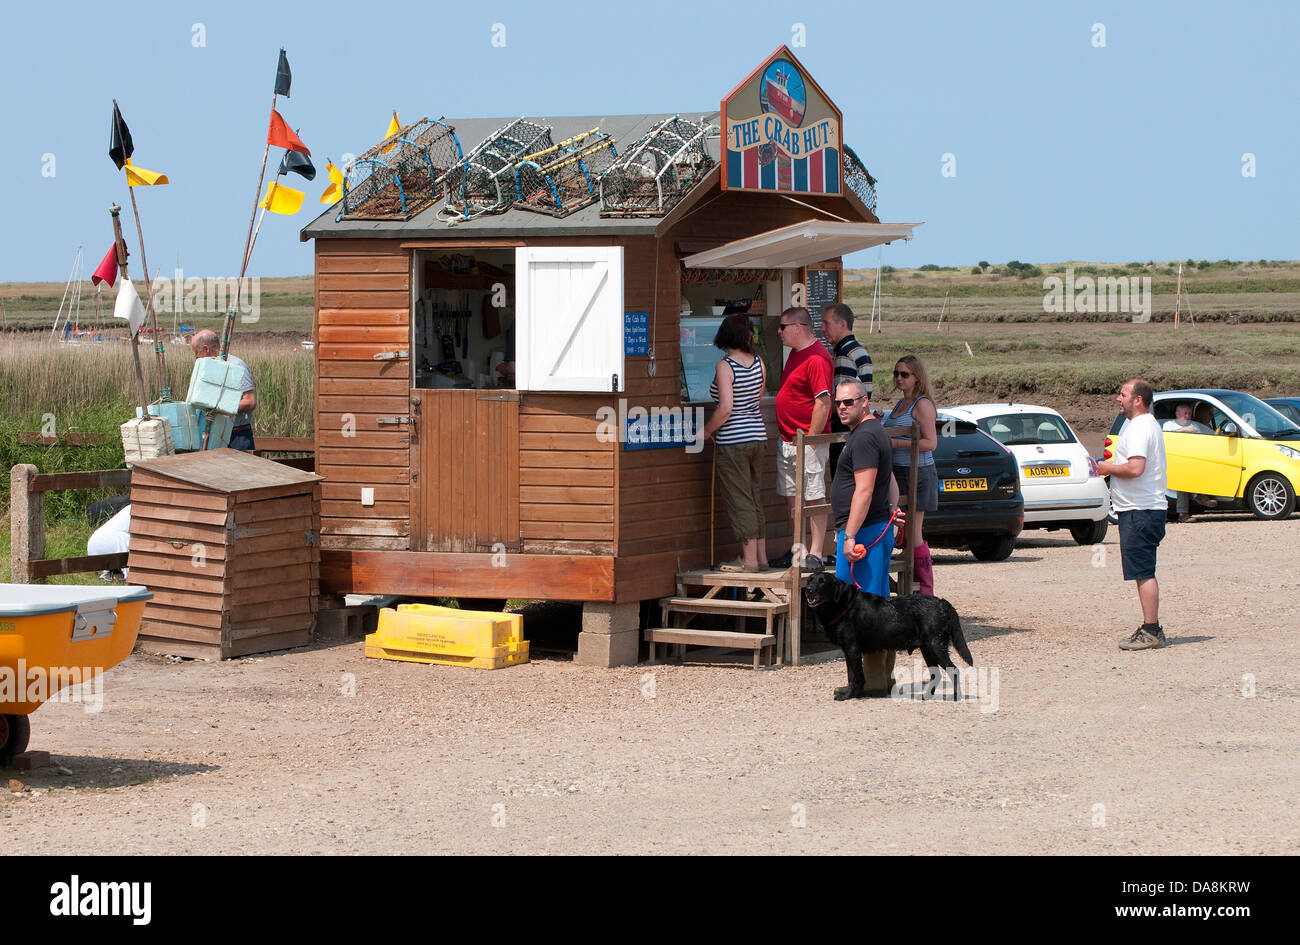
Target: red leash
[862, 553]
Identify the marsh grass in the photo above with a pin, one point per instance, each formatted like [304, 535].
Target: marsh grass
[90, 388]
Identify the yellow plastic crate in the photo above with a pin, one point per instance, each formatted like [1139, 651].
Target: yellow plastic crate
[515, 653]
[424, 633]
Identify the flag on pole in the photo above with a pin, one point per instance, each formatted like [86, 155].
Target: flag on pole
[282, 75]
[280, 135]
[106, 271]
[128, 306]
[334, 192]
[140, 177]
[394, 126]
[298, 163]
[282, 199]
[120, 145]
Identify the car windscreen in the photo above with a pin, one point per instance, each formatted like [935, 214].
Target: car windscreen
[1270, 424]
[1016, 429]
[961, 439]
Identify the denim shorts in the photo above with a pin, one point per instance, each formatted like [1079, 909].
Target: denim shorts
[1140, 531]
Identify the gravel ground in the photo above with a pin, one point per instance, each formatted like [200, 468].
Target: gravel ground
[1085, 749]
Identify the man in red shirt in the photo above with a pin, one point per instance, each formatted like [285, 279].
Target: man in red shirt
[804, 403]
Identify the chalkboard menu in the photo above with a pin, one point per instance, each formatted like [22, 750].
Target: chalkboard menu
[823, 290]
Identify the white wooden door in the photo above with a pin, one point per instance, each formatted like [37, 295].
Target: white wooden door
[569, 318]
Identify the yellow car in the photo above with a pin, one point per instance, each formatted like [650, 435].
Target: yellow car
[1245, 454]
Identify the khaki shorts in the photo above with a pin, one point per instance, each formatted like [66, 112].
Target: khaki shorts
[814, 470]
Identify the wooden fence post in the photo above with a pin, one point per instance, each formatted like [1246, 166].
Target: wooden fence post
[26, 524]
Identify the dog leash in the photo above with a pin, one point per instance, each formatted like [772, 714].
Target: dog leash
[852, 561]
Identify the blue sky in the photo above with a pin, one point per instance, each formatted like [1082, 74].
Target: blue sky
[1063, 149]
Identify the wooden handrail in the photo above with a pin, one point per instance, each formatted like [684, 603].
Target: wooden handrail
[27, 490]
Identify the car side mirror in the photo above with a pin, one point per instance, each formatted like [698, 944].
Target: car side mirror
[1230, 429]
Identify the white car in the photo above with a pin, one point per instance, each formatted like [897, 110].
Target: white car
[1058, 489]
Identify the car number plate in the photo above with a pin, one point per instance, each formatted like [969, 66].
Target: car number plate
[964, 485]
[1045, 471]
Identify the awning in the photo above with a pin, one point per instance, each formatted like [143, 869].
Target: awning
[799, 245]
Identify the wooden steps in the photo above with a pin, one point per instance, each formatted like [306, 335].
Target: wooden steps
[731, 639]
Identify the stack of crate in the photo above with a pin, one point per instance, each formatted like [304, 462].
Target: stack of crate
[227, 542]
[423, 633]
[146, 439]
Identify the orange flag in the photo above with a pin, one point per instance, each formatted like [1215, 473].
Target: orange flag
[280, 135]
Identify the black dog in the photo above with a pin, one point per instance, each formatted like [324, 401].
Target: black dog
[860, 623]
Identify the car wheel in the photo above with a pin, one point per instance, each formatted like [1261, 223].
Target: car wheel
[993, 549]
[15, 730]
[1089, 533]
[1270, 496]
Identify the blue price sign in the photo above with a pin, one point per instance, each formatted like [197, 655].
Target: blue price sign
[636, 334]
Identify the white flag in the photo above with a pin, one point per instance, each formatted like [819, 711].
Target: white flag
[129, 306]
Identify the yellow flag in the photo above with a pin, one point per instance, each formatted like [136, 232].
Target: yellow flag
[282, 199]
[334, 192]
[394, 126]
[139, 177]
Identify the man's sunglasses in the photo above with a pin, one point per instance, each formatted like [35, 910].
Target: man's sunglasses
[848, 403]
[784, 325]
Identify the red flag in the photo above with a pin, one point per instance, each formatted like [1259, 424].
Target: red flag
[280, 135]
[107, 270]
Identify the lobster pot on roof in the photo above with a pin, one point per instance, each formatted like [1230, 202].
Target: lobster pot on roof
[652, 175]
[567, 177]
[402, 175]
[858, 179]
[485, 181]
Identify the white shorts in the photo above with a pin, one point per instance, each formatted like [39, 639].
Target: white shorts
[814, 470]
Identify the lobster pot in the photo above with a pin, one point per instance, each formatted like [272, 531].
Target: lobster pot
[227, 544]
[485, 181]
[402, 175]
[654, 173]
[858, 179]
[568, 178]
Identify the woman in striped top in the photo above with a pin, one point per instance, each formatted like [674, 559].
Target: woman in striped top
[741, 439]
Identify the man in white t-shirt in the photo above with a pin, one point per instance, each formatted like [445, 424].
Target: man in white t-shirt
[1137, 494]
[206, 344]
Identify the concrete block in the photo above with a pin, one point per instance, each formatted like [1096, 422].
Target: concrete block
[346, 623]
[611, 618]
[609, 649]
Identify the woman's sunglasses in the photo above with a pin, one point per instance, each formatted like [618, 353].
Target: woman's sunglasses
[902, 374]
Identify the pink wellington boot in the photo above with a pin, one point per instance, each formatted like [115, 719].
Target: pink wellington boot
[923, 569]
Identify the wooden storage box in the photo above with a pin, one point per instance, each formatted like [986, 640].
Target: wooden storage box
[227, 542]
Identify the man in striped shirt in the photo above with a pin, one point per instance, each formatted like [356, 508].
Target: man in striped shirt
[852, 363]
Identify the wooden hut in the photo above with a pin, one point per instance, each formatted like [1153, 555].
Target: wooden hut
[227, 543]
[575, 482]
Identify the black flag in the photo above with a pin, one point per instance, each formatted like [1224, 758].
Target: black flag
[282, 75]
[297, 162]
[120, 146]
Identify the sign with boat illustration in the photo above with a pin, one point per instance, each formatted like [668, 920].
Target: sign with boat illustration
[781, 132]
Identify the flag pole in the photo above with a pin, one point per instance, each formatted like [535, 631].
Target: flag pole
[164, 379]
[248, 244]
[135, 347]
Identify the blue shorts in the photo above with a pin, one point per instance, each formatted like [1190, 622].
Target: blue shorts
[1140, 532]
[871, 574]
[241, 438]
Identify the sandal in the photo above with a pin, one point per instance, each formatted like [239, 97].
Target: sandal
[736, 565]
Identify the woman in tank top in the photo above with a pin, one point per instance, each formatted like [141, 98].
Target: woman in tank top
[741, 439]
[911, 380]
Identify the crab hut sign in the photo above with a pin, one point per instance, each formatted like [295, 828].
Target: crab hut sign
[780, 132]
